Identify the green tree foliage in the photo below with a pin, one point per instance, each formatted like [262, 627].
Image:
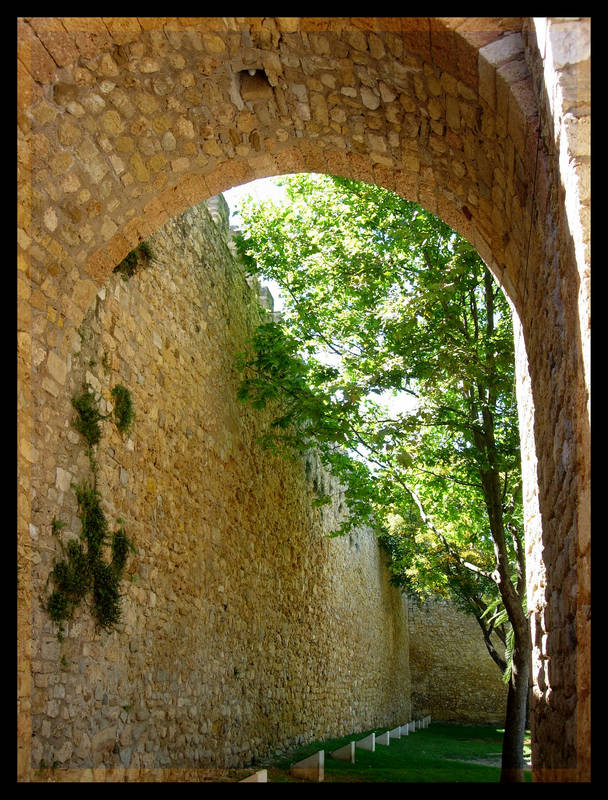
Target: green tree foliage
[385, 303]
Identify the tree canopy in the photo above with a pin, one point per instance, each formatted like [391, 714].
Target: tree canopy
[394, 360]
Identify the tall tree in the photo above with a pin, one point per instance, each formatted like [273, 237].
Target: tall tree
[385, 303]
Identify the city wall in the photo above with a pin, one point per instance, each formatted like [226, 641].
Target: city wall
[125, 122]
[453, 677]
[245, 629]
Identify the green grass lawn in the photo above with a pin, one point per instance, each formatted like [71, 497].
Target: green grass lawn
[437, 754]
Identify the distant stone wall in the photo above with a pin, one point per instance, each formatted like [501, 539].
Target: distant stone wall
[245, 629]
[453, 677]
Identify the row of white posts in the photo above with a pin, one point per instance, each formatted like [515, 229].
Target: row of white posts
[313, 767]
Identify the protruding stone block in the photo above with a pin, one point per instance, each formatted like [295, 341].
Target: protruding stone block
[383, 738]
[368, 743]
[346, 753]
[261, 776]
[396, 732]
[405, 729]
[311, 768]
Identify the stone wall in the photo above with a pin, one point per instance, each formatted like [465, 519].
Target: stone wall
[245, 629]
[453, 677]
[558, 512]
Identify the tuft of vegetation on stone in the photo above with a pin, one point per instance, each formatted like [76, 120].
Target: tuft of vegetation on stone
[123, 408]
[89, 417]
[139, 256]
[83, 570]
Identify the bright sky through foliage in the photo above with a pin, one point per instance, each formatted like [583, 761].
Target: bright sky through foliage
[268, 189]
[260, 190]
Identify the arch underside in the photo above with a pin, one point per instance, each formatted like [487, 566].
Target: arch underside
[138, 128]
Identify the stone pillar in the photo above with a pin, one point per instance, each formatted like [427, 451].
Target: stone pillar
[557, 343]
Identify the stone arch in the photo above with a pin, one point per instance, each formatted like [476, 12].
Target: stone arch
[125, 122]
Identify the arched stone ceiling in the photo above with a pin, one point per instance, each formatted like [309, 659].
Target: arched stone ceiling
[126, 122]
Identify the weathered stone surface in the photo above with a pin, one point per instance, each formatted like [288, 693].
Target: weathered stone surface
[241, 625]
[311, 768]
[346, 753]
[367, 742]
[453, 677]
[261, 776]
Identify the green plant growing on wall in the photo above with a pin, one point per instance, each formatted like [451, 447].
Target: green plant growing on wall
[140, 255]
[83, 569]
[56, 526]
[123, 408]
[89, 417]
[44, 766]
[71, 577]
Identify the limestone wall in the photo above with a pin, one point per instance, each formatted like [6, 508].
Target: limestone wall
[558, 514]
[453, 677]
[244, 629]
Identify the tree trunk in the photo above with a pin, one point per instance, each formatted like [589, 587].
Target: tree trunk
[515, 721]
[512, 767]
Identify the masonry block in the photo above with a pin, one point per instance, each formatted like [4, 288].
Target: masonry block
[311, 768]
[396, 732]
[368, 743]
[383, 738]
[404, 729]
[261, 776]
[346, 753]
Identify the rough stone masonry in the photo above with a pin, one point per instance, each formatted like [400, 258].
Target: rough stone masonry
[244, 628]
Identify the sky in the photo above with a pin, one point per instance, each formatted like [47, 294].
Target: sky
[260, 189]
